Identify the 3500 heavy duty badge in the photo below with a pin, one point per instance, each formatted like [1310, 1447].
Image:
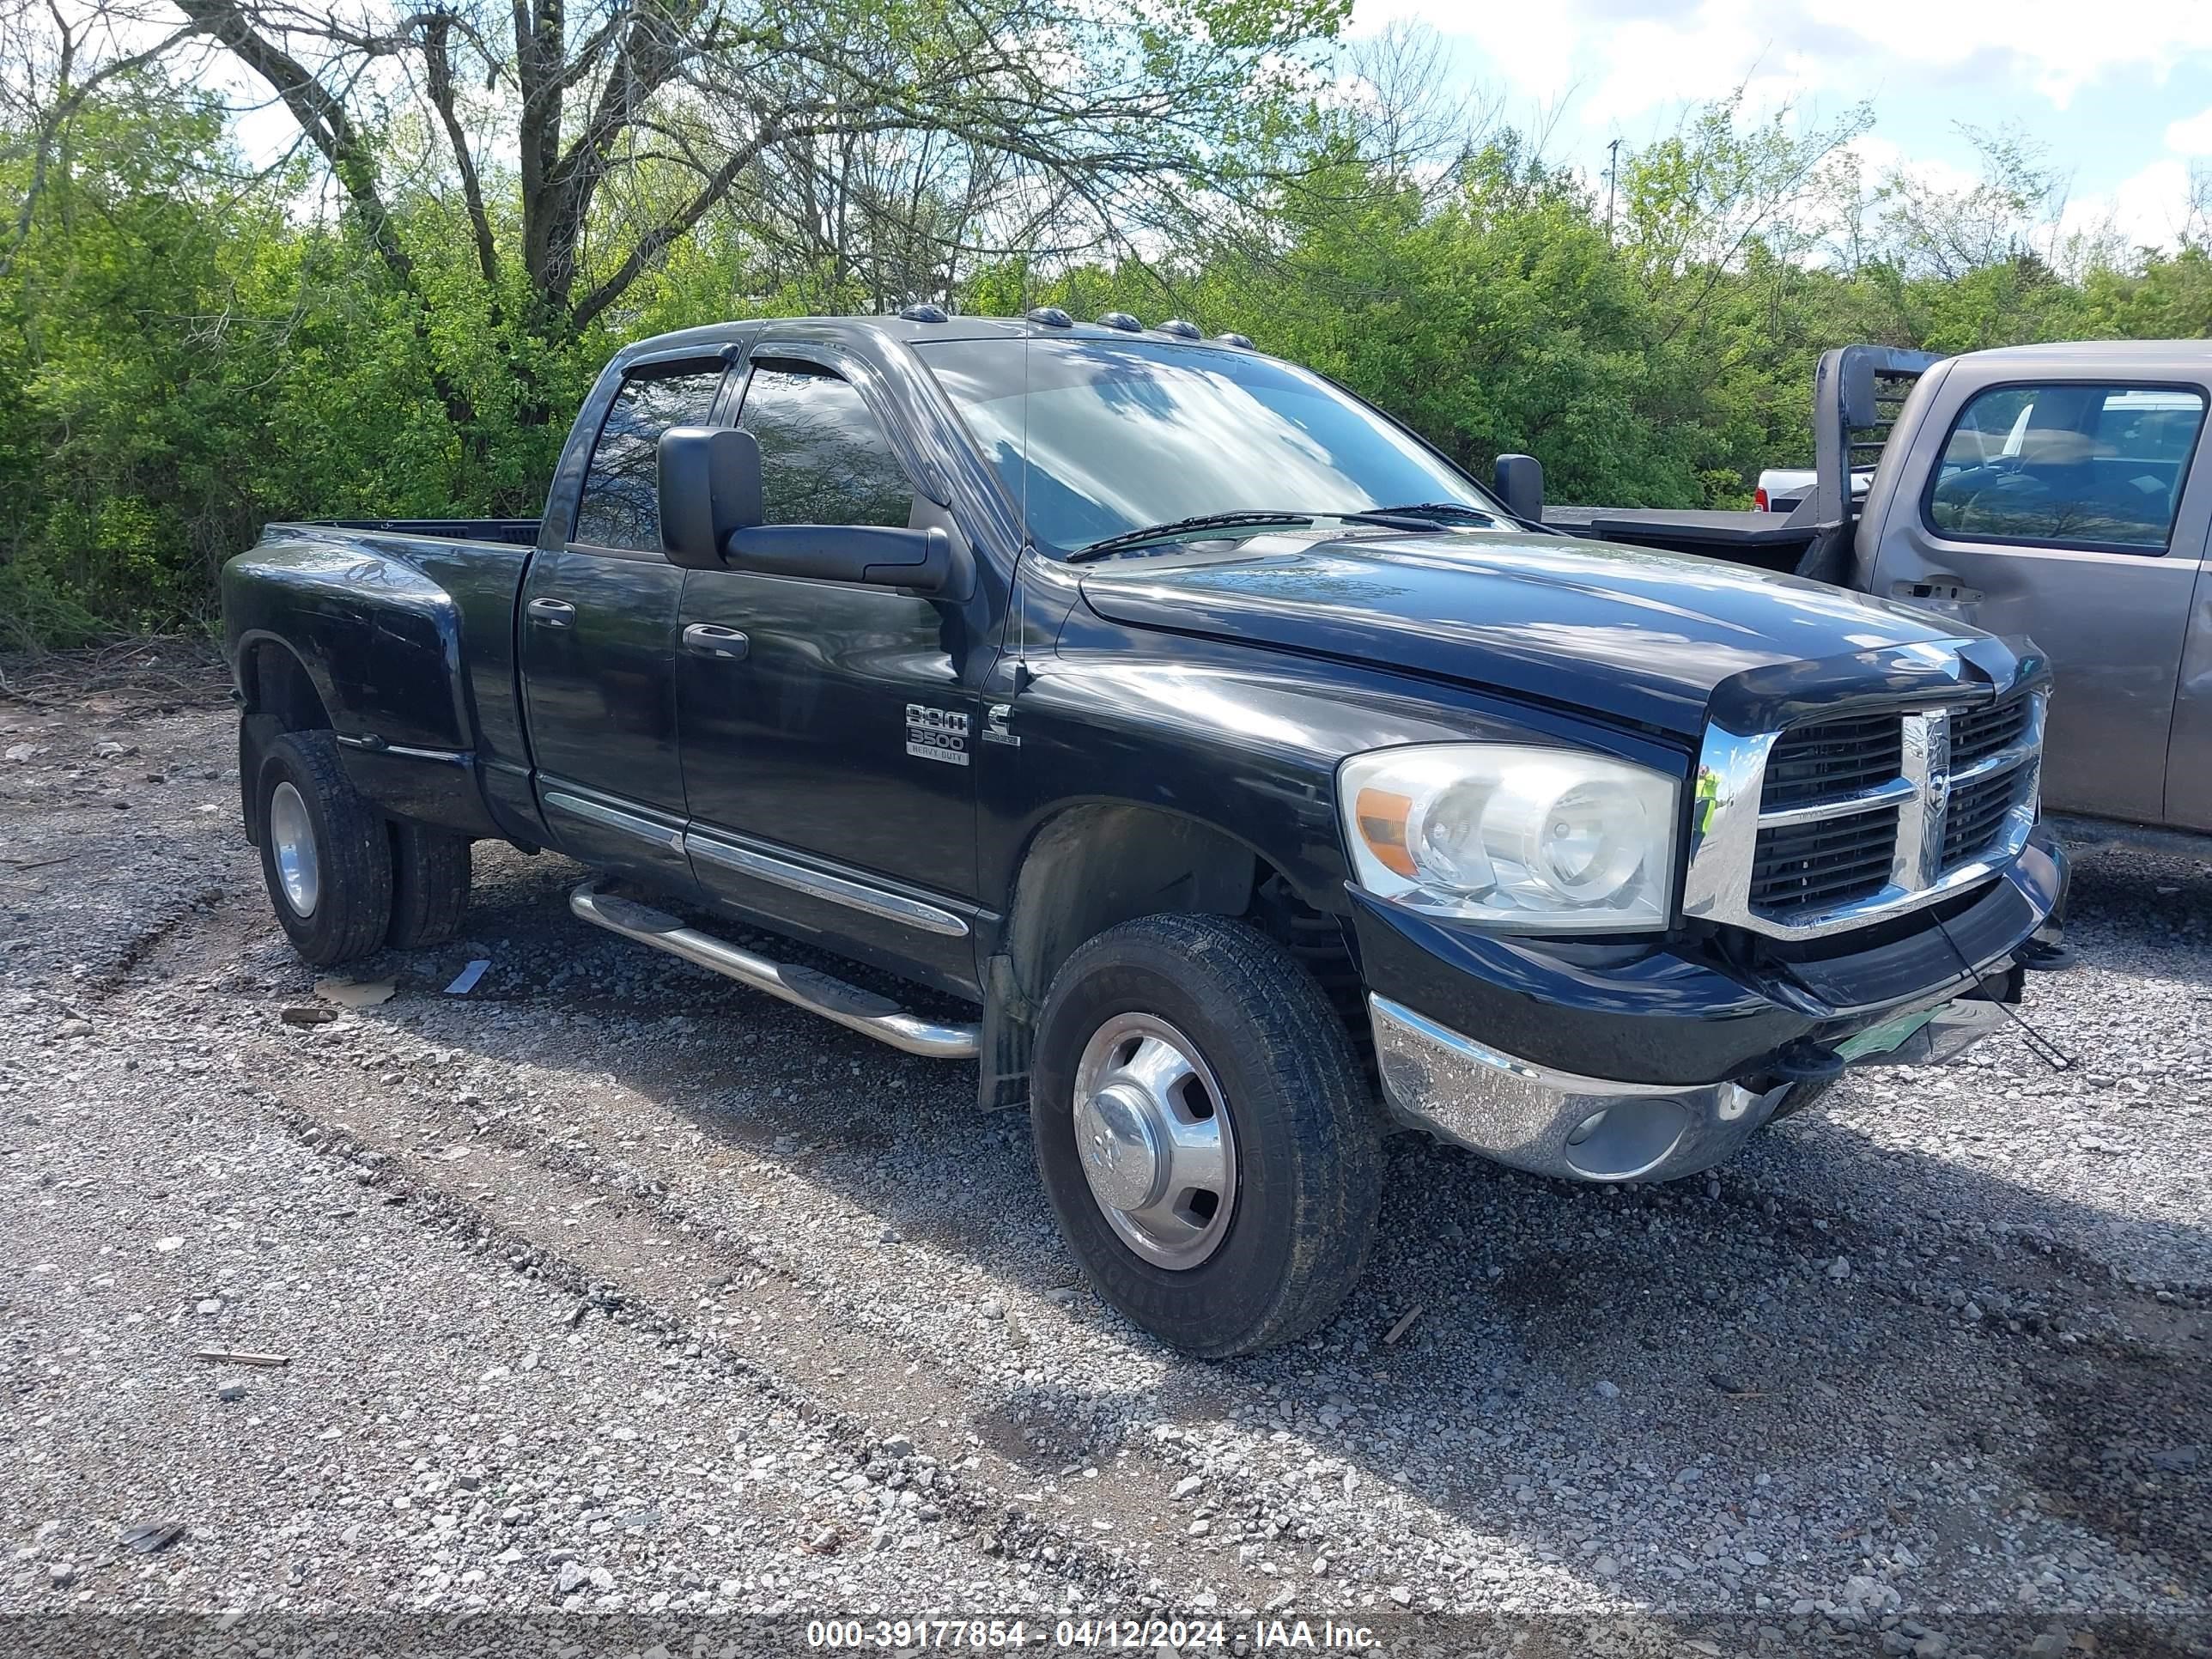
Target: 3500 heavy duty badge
[937, 734]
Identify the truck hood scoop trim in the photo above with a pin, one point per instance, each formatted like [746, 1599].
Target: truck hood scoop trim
[1637, 635]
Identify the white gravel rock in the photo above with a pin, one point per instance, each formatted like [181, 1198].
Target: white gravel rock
[755, 1258]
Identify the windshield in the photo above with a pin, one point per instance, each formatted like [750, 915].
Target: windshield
[1123, 436]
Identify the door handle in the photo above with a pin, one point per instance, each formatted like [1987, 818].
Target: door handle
[552, 613]
[712, 639]
[1939, 586]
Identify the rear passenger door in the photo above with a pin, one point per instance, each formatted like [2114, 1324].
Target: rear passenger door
[827, 736]
[599, 639]
[2073, 511]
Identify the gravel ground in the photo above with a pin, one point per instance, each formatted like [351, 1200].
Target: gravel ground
[611, 1285]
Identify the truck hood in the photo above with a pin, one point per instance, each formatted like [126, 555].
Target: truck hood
[1640, 635]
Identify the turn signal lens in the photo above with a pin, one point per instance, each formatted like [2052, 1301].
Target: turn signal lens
[1381, 820]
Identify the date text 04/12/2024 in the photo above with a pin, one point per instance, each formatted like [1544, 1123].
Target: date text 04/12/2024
[1133, 1635]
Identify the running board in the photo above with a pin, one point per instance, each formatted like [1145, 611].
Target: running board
[805, 988]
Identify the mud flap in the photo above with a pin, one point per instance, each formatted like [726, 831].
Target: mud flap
[255, 733]
[1009, 1035]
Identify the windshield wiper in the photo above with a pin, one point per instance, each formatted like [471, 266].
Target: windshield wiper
[1099, 550]
[1459, 510]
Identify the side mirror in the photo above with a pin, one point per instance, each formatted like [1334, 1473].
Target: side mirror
[710, 486]
[1519, 481]
[919, 561]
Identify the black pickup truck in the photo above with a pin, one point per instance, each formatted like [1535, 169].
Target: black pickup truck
[1261, 781]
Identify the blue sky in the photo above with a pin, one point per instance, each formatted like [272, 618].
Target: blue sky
[2118, 91]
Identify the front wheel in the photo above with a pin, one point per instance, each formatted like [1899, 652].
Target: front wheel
[1204, 1133]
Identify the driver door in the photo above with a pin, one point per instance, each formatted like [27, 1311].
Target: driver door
[826, 732]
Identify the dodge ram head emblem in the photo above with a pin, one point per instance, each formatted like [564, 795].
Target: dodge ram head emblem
[1927, 742]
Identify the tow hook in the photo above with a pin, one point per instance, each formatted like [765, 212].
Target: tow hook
[1808, 1061]
[2045, 950]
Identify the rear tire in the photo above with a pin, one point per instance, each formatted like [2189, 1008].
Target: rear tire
[325, 851]
[1151, 1032]
[429, 885]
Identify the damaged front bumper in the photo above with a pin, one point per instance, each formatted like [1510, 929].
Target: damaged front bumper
[1586, 1128]
[1698, 1050]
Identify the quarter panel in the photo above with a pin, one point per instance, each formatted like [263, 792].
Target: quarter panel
[380, 638]
[408, 643]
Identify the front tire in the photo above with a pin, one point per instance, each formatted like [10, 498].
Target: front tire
[1204, 1133]
[325, 852]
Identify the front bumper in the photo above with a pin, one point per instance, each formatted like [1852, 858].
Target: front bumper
[1652, 1061]
[1583, 1128]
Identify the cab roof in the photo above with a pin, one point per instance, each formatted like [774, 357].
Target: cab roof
[908, 330]
[2192, 357]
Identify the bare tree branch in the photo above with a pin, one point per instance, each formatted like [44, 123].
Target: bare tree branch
[321, 116]
[70, 96]
[436, 33]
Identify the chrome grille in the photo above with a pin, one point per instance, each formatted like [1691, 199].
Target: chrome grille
[1828, 861]
[1977, 816]
[1977, 733]
[1832, 759]
[1832, 823]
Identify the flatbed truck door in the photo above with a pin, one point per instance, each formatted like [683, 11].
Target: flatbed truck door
[2074, 510]
[2189, 750]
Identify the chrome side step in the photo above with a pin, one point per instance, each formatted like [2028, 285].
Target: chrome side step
[818, 992]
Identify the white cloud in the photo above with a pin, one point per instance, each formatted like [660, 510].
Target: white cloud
[1648, 53]
[1532, 46]
[2191, 134]
[2058, 47]
[1880, 157]
[1626, 67]
[2148, 208]
[1725, 44]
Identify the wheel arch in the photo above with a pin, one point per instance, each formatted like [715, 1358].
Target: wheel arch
[1088, 867]
[274, 681]
[277, 693]
[1093, 865]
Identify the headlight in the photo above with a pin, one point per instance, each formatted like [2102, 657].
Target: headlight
[1540, 838]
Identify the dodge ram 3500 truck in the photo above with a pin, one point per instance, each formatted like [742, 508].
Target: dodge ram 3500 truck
[2057, 491]
[1259, 782]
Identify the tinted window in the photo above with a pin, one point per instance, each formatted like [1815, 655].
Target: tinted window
[2078, 465]
[823, 460]
[1121, 437]
[621, 503]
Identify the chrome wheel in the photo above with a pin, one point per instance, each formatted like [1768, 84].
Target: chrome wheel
[292, 841]
[1154, 1136]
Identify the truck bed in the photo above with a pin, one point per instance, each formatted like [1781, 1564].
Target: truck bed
[516, 533]
[1655, 526]
[1768, 540]
[405, 628]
